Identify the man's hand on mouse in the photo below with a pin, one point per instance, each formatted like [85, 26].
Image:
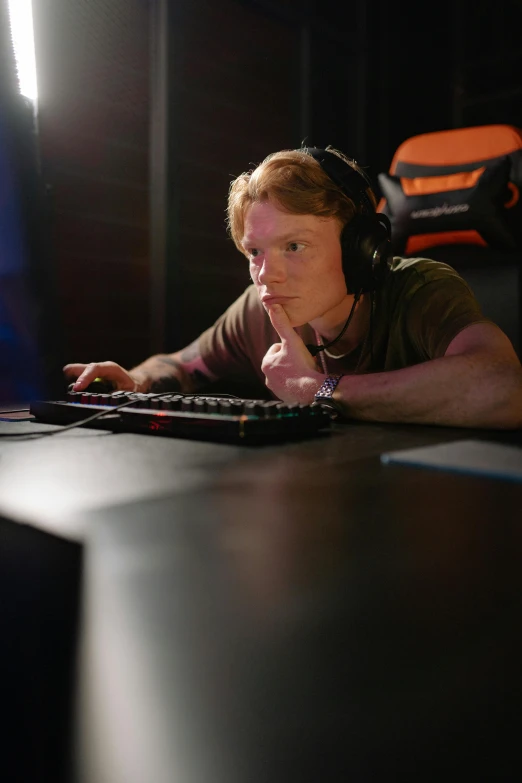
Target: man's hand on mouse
[290, 370]
[107, 371]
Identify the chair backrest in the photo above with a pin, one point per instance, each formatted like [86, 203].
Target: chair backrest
[454, 196]
[458, 186]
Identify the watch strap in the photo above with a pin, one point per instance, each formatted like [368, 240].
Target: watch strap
[324, 393]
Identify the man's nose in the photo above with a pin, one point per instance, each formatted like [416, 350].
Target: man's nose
[273, 268]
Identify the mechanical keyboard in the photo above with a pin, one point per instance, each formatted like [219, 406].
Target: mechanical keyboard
[197, 417]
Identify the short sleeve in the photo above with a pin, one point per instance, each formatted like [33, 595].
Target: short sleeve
[438, 311]
[237, 342]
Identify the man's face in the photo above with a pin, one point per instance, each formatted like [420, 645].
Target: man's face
[295, 260]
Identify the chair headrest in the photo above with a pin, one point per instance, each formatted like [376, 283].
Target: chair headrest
[459, 186]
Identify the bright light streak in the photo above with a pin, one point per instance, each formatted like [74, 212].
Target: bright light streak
[21, 16]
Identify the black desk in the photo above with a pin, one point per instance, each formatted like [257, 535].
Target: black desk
[288, 613]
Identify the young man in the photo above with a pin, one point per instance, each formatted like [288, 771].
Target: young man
[417, 348]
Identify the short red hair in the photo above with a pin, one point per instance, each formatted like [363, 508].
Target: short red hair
[295, 181]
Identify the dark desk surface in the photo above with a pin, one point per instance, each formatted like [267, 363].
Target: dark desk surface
[49, 481]
[285, 613]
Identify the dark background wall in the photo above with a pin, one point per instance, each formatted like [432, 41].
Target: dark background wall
[149, 108]
[93, 81]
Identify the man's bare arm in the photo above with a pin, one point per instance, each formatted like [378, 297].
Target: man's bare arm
[183, 371]
[478, 383]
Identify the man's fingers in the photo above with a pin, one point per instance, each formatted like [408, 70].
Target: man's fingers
[108, 371]
[281, 324]
[87, 376]
[74, 370]
[275, 348]
[269, 356]
[84, 374]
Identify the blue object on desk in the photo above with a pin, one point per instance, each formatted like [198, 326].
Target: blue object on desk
[473, 457]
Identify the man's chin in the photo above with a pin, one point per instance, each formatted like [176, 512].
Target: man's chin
[296, 319]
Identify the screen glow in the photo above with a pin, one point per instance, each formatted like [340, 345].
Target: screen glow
[21, 17]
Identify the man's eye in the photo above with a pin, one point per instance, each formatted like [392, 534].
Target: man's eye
[295, 247]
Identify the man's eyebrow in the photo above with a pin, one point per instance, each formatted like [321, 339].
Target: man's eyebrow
[282, 237]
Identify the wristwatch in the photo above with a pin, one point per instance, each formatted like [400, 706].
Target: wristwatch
[324, 394]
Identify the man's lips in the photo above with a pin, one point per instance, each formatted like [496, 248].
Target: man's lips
[272, 299]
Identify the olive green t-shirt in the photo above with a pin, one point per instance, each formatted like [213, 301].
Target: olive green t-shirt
[421, 307]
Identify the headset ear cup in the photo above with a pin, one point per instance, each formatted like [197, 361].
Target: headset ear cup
[383, 253]
[385, 222]
[366, 252]
[350, 258]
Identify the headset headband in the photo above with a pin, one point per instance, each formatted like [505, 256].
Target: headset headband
[353, 183]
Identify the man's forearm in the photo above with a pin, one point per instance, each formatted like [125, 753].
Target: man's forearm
[183, 371]
[461, 390]
[162, 373]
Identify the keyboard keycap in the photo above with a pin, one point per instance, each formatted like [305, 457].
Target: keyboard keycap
[213, 407]
[252, 408]
[186, 404]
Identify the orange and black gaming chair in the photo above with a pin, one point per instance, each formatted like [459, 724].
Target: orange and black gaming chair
[454, 195]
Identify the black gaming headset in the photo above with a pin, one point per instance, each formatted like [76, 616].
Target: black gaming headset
[365, 240]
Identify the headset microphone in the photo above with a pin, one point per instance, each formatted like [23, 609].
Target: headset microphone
[315, 349]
